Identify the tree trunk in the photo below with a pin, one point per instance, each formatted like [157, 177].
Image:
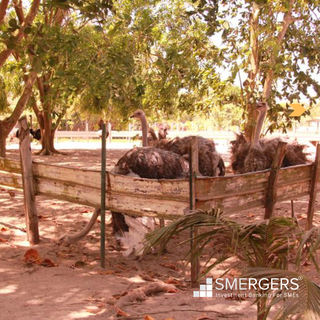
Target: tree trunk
[3, 137]
[250, 83]
[8, 124]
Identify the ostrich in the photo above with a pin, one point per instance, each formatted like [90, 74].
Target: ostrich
[210, 162]
[148, 163]
[258, 155]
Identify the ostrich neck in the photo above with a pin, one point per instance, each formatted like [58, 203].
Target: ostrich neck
[144, 126]
[261, 117]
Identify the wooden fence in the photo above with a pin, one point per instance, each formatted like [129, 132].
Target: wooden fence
[168, 199]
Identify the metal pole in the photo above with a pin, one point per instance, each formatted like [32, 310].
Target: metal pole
[103, 197]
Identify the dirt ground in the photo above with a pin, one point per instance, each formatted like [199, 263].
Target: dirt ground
[70, 284]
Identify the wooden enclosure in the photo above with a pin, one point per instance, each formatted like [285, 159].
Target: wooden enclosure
[168, 199]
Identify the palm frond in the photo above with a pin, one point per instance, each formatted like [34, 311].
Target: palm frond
[305, 301]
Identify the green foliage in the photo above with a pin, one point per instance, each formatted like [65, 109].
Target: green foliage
[3, 96]
[293, 62]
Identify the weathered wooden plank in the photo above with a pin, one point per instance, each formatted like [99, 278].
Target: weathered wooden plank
[216, 187]
[291, 191]
[133, 204]
[68, 191]
[166, 189]
[295, 174]
[146, 206]
[10, 165]
[231, 204]
[78, 176]
[11, 179]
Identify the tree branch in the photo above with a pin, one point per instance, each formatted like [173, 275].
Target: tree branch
[19, 11]
[4, 55]
[287, 20]
[23, 99]
[3, 9]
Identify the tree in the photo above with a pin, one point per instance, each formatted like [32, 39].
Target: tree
[275, 44]
[14, 32]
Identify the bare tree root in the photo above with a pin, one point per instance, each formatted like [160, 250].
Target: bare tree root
[47, 152]
[67, 239]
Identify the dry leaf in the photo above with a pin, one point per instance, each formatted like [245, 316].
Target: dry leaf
[148, 318]
[79, 264]
[3, 229]
[172, 291]
[169, 266]
[93, 311]
[121, 267]
[173, 281]
[32, 256]
[146, 277]
[106, 272]
[121, 312]
[3, 240]
[48, 263]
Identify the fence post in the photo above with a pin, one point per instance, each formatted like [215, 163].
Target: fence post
[103, 198]
[271, 197]
[194, 170]
[313, 188]
[28, 183]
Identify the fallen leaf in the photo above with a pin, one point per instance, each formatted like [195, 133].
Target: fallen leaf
[48, 263]
[32, 256]
[169, 266]
[93, 311]
[172, 291]
[173, 281]
[146, 277]
[148, 318]
[3, 229]
[106, 272]
[121, 312]
[79, 264]
[121, 267]
[43, 218]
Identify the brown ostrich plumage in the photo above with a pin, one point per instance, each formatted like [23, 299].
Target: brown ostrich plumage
[259, 155]
[152, 163]
[210, 162]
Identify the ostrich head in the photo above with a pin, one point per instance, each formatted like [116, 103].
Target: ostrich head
[139, 114]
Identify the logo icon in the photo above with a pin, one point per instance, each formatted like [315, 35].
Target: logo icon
[205, 290]
[298, 110]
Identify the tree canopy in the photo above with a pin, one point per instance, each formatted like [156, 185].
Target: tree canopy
[169, 58]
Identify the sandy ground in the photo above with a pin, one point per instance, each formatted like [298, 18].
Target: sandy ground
[76, 287]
